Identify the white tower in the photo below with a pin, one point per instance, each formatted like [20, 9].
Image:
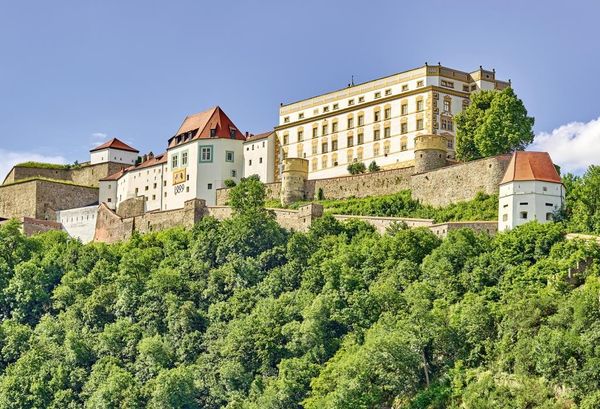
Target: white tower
[530, 190]
[114, 151]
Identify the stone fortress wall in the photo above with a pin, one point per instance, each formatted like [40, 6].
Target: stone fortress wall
[438, 187]
[86, 174]
[40, 199]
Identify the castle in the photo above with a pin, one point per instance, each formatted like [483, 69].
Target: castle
[403, 123]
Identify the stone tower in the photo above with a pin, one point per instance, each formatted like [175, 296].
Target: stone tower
[430, 152]
[293, 176]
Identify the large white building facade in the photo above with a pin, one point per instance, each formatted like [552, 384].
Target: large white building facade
[530, 190]
[261, 156]
[378, 120]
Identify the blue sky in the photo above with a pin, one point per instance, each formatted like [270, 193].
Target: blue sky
[73, 73]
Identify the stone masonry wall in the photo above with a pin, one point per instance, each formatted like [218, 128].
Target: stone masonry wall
[87, 175]
[272, 191]
[39, 199]
[368, 184]
[382, 223]
[459, 182]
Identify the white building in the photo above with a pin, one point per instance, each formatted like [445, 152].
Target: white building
[80, 223]
[530, 190]
[260, 156]
[206, 150]
[378, 120]
[114, 151]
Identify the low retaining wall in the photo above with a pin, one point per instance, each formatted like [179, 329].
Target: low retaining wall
[382, 223]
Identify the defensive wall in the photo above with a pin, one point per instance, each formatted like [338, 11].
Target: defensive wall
[40, 199]
[113, 227]
[85, 174]
[439, 187]
[31, 226]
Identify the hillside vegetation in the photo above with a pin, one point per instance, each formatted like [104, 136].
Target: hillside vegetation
[243, 314]
[401, 204]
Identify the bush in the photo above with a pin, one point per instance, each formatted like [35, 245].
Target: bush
[374, 167]
[229, 183]
[357, 168]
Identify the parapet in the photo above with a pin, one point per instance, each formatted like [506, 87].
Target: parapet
[295, 165]
[431, 142]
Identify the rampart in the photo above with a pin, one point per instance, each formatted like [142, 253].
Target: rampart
[40, 199]
[440, 187]
[86, 174]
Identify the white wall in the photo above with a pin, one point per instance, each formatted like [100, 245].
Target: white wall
[203, 178]
[145, 181]
[259, 158]
[537, 198]
[80, 223]
[108, 193]
[113, 155]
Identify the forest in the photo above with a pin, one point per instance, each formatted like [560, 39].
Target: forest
[241, 313]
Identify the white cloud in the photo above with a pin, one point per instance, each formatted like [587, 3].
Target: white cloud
[573, 146]
[9, 159]
[99, 135]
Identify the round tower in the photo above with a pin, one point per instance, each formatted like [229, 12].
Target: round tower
[430, 152]
[293, 176]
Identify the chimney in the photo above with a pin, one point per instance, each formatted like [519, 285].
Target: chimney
[246, 134]
[151, 155]
[145, 158]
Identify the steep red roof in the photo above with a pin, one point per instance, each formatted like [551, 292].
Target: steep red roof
[531, 166]
[114, 143]
[198, 126]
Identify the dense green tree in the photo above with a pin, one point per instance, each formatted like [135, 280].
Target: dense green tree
[495, 122]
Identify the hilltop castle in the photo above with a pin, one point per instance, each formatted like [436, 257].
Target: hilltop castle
[403, 122]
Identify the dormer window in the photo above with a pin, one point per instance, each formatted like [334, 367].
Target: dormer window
[213, 132]
[232, 133]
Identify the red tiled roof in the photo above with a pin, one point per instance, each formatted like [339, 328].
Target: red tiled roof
[531, 166]
[259, 136]
[157, 160]
[201, 124]
[114, 143]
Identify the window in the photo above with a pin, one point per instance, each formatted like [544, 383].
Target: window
[174, 161]
[450, 143]
[184, 159]
[420, 105]
[209, 186]
[447, 106]
[524, 204]
[324, 147]
[387, 114]
[350, 102]
[109, 200]
[324, 130]
[286, 139]
[376, 134]
[334, 145]
[361, 99]
[350, 123]
[447, 124]
[229, 156]
[505, 217]
[213, 132]
[360, 139]
[314, 148]
[523, 215]
[549, 204]
[404, 109]
[403, 128]
[388, 92]
[378, 95]
[154, 186]
[205, 153]
[153, 197]
[260, 160]
[473, 87]
[376, 149]
[549, 216]
[165, 183]
[286, 119]
[545, 188]
[233, 173]
[447, 84]
[419, 124]
[336, 106]
[465, 88]
[249, 162]
[376, 116]
[301, 115]
[387, 132]
[325, 109]
[350, 141]
[361, 120]
[405, 87]
[420, 84]
[334, 127]
[300, 135]
[232, 133]
[315, 131]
